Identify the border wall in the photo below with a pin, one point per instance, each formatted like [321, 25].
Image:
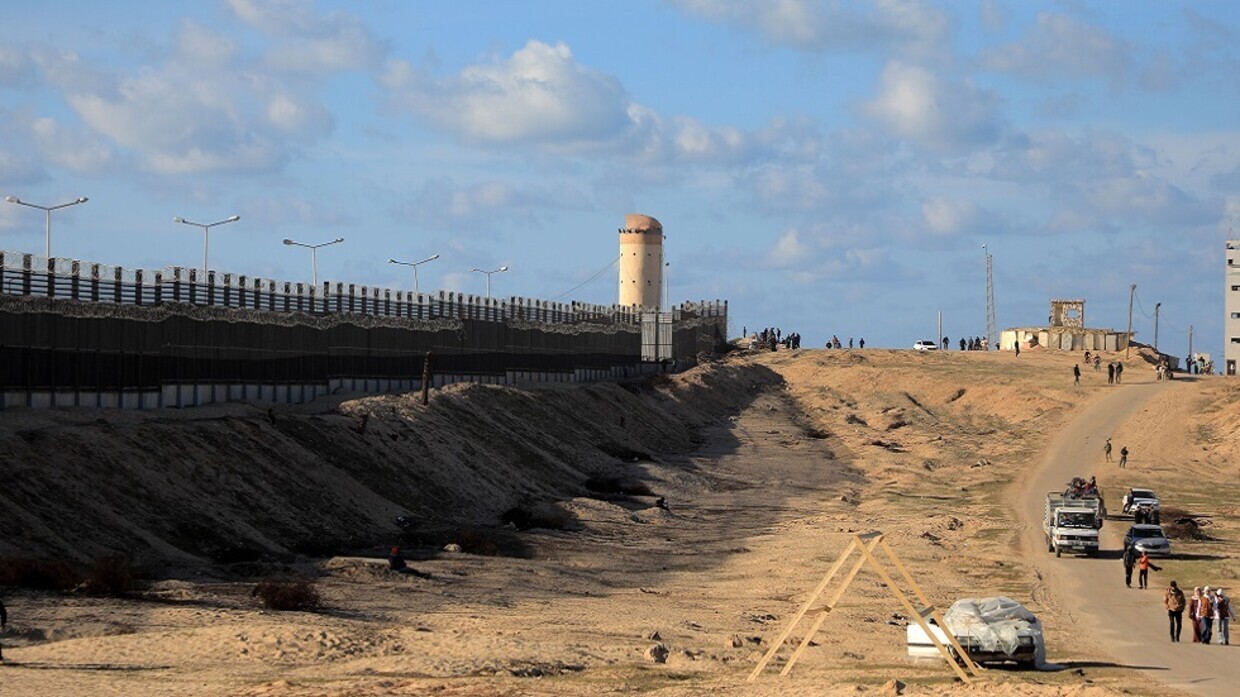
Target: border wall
[79, 334]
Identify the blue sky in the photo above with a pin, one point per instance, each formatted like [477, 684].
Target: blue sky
[827, 167]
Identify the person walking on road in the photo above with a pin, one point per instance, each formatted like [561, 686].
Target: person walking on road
[1223, 615]
[1123, 457]
[1130, 560]
[1076, 374]
[1119, 372]
[1205, 611]
[1193, 603]
[1107, 449]
[1143, 574]
[1174, 600]
[1110, 373]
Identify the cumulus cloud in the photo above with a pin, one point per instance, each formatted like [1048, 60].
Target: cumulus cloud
[539, 94]
[541, 97]
[788, 250]
[16, 69]
[311, 42]
[915, 104]
[911, 27]
[201, 111]
[70, 148]
[948, 218]
[1058, 46]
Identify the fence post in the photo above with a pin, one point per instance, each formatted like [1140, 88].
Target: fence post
[116, 284]
[137, 287]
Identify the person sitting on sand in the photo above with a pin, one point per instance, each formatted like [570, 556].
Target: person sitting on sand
[397, 562]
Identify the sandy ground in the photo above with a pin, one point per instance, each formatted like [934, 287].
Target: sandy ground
[767, 461]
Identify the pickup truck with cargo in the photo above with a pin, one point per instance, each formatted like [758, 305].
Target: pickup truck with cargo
[1071, 523]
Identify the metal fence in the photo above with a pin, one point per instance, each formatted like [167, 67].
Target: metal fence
[28, 274]
[76, 326]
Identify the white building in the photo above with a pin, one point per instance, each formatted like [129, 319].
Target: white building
[1231, 306]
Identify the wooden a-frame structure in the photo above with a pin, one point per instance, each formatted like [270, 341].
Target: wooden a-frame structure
[865, 544]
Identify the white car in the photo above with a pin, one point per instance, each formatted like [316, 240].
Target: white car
[991, 630]
[925, 345]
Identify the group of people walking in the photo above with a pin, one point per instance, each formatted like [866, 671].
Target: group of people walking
[772, 337]
[974, 344]
[834, 342]
[1208, 609]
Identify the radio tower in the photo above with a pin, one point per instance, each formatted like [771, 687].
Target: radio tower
[990, 303]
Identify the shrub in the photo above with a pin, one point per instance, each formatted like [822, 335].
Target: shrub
[288, 594]
[38, 574]
[112, 575]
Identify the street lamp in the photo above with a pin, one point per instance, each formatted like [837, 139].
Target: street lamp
[48, 210]
[206, 227]
[314, 256]
[488, 273]
[415, 265]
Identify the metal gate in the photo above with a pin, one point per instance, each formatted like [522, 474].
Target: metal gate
[657, 337]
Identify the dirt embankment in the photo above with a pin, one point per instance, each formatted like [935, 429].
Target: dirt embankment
[767, 460]
[238, 482]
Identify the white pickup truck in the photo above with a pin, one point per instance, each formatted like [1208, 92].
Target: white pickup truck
[1071, 523]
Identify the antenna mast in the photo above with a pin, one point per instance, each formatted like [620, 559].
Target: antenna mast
[991, 338]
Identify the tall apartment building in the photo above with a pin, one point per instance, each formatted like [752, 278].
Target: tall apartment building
[1231, 305]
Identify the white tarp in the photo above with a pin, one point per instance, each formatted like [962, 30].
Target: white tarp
[996, 624]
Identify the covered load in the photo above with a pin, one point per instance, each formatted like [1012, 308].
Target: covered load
[990, 630]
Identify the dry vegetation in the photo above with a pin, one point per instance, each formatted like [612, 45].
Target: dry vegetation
[766, 461]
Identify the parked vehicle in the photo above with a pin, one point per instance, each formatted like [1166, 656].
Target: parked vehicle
[1149, 539]
[990, 630]
[1071, 523]
[1138, 497]
[925, 345]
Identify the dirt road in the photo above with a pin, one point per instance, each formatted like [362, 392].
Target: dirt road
[1130, 625]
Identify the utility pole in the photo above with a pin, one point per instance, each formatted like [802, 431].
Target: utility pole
[940, 339]
[1156, 306]
[1132, 292]
[991, 337]
[1190, 345]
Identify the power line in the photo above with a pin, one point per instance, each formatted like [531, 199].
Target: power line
[589, 280]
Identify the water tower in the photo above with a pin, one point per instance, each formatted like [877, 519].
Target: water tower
[641, 261]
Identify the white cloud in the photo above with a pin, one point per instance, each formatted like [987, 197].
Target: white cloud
[539, 95]
[915, 104]
[1061, 47]
[912, 28]
[311, 42]
[948, 218]
[788, 250]
[201, 111]
[16, 69]
[70, 148]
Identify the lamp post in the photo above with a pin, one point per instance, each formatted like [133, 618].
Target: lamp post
[1156, 308]
[314, 255]
[488, 273]
[415, 265]
[48, 210]
[206, 228]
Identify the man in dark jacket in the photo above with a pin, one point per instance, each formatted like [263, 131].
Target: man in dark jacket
[1130, 561]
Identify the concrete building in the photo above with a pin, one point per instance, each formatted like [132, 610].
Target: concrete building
[1065, 331]
[641, 262]
[1231, 308]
